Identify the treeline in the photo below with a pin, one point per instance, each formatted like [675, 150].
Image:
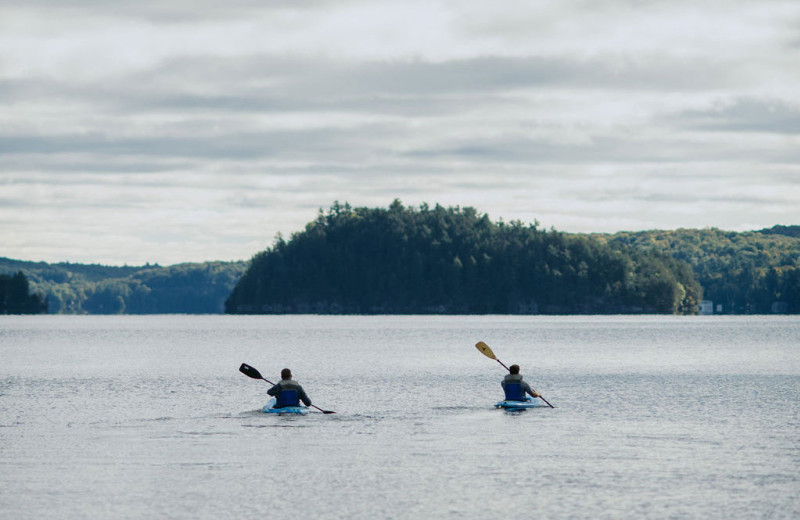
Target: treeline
[16, 298]
[455, 260]
[190, 288]
[438, 260]
[754, 272]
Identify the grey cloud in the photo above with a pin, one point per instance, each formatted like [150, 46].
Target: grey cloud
[481, 74]
[387, 104]
[35, 160]
[221, 89]
[747, 115]
[271, 83]
[343, 150]
[691, 192]
[312, 89]
[252, 145]
[174, 11]
[600, 149]
[7, 202]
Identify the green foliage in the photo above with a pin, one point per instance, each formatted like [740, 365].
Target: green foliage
[455, 260]
[15, 297]
[438, 260]
[93, 289]
[789, 231]
[752, 272]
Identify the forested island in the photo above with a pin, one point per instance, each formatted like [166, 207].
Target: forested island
[456, 260]
[405, 260]
[437, 260]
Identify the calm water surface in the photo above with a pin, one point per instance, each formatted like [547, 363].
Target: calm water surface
[148, 417]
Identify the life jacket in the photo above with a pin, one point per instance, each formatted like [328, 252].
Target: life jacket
[514, 391]
[287, 397]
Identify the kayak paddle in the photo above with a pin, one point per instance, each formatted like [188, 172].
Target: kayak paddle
[486, 351]
[255, 374]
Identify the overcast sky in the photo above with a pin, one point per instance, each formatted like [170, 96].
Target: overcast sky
[189, 130]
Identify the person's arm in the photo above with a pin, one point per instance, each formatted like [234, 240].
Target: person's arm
[274, 391]
[303, 397]
[529, 390]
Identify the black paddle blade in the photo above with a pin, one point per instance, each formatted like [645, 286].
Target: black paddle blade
[250, 371]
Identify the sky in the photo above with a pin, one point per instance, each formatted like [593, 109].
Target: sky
[170, 131]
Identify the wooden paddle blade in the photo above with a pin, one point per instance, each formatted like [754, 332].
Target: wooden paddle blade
[250, 371]
[485, 350]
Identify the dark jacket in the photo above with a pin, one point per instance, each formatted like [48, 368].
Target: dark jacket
[288, 384]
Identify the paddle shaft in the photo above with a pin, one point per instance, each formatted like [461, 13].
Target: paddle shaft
[503, 364]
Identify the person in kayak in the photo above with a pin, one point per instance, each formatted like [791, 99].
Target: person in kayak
[514, 387]
[288, 392]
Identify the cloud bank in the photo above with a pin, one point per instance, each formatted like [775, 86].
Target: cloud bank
[178, 131]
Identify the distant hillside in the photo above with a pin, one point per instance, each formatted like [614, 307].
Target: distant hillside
[87, 272]
[745, 273]
[151, 289]
[453, 260]
[789, 231]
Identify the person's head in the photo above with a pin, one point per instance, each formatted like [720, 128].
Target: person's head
[514, 369]
[286, 373]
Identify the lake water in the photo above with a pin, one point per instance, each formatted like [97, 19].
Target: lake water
[148, 417]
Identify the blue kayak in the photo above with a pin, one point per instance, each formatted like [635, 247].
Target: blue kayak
[286, 410]
[519, 405]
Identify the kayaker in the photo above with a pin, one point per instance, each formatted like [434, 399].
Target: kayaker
[288, 392]
[514, 387]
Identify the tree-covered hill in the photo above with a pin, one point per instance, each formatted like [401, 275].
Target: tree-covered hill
[751, 272]
[455, 260]
[151, 289]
